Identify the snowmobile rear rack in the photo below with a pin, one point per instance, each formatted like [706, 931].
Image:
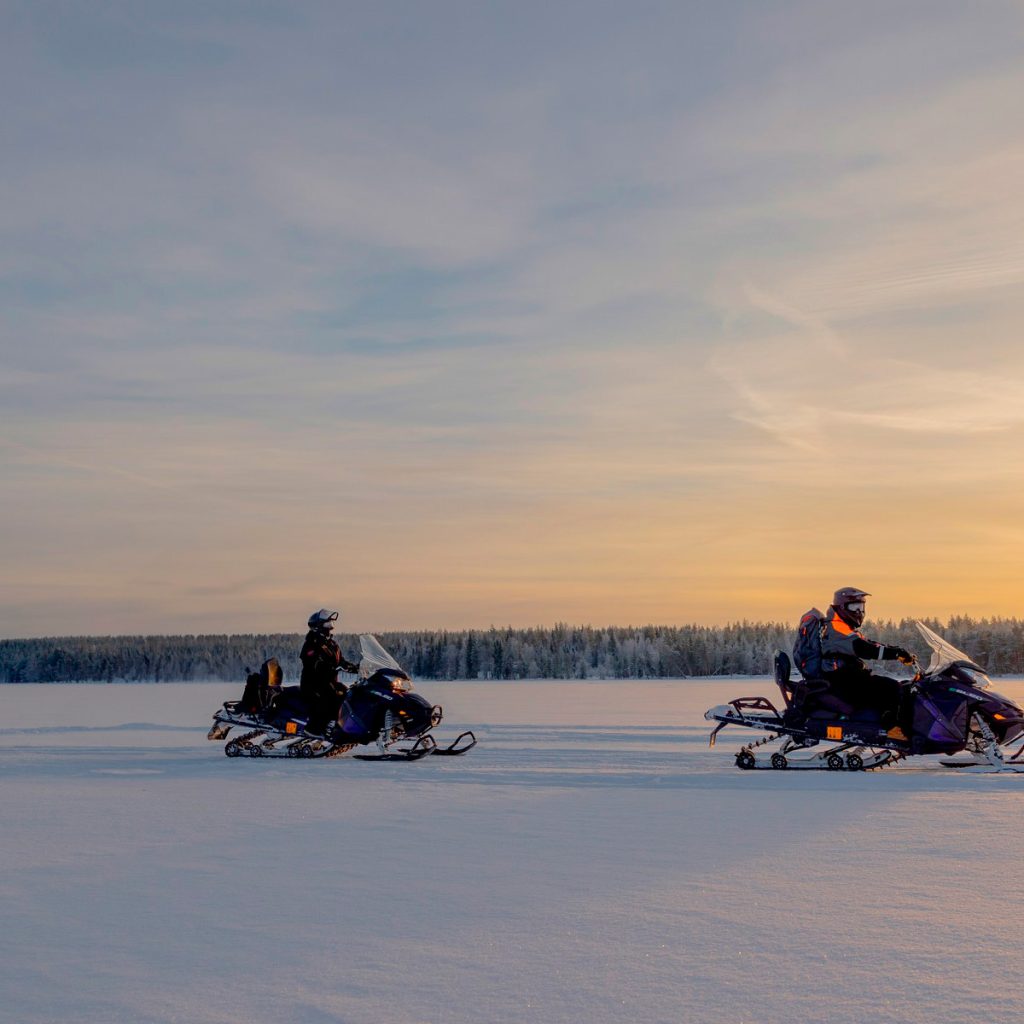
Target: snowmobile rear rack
[744, 704]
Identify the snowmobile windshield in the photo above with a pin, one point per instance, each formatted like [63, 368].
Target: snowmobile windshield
[945, 654]
[374, 658]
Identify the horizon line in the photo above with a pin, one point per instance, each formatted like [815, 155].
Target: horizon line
[758, 623]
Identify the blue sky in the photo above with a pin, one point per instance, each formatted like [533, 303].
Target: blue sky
[458, 313]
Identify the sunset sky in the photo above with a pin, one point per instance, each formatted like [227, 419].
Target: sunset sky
[457, 313]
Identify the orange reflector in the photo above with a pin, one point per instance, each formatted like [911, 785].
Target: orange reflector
[834, 732]
[999, 717]
[291, 728]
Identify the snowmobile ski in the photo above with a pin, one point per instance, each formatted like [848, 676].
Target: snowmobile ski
[423, 746]
[462, 743]
[983, 765]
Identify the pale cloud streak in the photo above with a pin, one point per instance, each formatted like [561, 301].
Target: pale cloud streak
[807, 388]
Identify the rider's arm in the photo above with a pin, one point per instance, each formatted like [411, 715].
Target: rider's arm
[840, 638]
[872, 651]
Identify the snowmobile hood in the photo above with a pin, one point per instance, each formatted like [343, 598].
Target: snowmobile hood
[945, 654]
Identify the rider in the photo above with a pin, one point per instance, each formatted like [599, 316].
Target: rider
[321, 659]
[843, 651]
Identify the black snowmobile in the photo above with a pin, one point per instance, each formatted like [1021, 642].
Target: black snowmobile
[379, 708]
[954, 711]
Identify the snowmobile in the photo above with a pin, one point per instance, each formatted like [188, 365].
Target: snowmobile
[953, 711]
[379, 708]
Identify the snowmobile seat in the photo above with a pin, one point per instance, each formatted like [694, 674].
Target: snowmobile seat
[829, 708]
[821, 702]
[288, 705]
[289, 700]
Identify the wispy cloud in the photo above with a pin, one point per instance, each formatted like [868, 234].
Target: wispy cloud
[809, 388]
[34, 456]
[441, 309]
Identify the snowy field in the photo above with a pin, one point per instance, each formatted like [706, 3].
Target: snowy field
[592, 860]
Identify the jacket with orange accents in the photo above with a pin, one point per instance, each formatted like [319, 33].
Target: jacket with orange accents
[844, 649]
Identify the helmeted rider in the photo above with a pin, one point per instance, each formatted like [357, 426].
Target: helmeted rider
[321, 659]
[844, 649]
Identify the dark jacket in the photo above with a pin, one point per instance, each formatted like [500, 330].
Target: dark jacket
[321, 658]
[845, 649]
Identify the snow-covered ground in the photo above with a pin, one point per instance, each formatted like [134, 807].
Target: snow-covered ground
[592, 860]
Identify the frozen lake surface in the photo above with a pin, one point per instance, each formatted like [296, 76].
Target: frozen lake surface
[591, 861]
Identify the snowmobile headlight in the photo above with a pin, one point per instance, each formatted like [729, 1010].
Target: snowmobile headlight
[977, 678]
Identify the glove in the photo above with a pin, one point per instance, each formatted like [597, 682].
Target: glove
[903, 656]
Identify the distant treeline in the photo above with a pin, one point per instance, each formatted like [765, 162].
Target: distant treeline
[562, 652]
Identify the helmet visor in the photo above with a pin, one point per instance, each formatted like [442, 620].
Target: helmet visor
[855, 612]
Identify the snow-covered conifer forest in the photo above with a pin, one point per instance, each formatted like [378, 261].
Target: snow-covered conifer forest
[561, 652]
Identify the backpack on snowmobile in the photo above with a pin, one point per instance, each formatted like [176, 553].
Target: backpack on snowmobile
[261, 687]
[807, 649]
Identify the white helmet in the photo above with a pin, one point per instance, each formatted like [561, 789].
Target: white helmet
[323, 621]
